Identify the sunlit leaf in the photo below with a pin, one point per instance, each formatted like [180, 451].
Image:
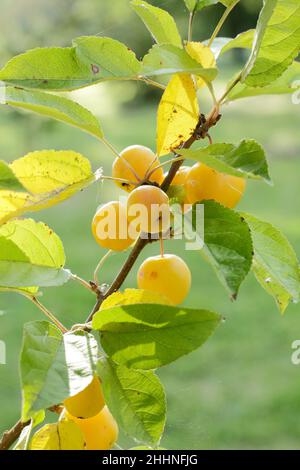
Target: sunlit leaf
[56, 107]
[275, 265]
[50, 177]
[202, 54]
[134, 296]
[227, 245]
[288, 83]
[31, 254]
[159, 22]
[276, 44]
[247, 159]
[137, 400]
[8, 180]
[64, 435]
[178, 114]
[54, 366]
[147, 336]
[168, 59]
[91, 60]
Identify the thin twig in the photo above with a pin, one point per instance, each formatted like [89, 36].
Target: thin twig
[148, 81]
[116, 153]
[47, 312]
[100, 264]
[84, 283]
[190, 30]
[221, 22]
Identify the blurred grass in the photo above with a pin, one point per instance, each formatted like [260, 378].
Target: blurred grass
[240, 390]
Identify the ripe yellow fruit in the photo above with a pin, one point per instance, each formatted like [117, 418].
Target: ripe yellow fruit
[110, 227]
[150, 207]
[139, 160]
[204, 183]
[100, 432]
[168, 275]
[180, 176]
[87, 403]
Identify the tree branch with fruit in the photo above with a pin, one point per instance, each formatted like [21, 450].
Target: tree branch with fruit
[100, 376]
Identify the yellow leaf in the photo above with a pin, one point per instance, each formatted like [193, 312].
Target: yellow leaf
[50, 170]
[64, 435]
[134, 296]
[178, 114]
[202, 54]
[50, 177]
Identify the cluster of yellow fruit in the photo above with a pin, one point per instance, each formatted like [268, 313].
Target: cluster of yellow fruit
[137, 170]
[89, 411]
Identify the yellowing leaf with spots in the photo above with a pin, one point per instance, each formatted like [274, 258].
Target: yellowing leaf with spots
[178, 114]
[202, 54]
[50, 177]
[65, 435]
[134, 296]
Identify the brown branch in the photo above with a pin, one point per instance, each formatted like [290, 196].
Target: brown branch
[200, 132]
[9, 437]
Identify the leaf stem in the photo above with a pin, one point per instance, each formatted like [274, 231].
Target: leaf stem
[84, 283]
[148, 81]
[190, 30]
[47, 312]
[116, 153]
[221, 22]
[121, 180]
[100, 264]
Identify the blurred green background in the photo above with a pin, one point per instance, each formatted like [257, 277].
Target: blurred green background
[241, 389]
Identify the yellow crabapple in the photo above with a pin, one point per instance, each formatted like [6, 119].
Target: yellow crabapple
[133, 164]
[205, 183]
[110, 227]
[150, 207]
[87, 403]
[100, 432]
[168, 275]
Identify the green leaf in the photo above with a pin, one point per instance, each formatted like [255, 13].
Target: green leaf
[107, 58]
[54, 366]
[90, 61]
[241, 41]
[276, 44]
[247, 159]
[8, 180]
[197, 5]
[288, 83]
[227, 245]
[147, 336]
[56, 107]
[159, 22]
[50, 68]
[275, 265]
[31, 254]
[50, 177]
[136, 399]
[169, 59]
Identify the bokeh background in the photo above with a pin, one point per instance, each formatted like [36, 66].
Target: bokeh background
[241, 389]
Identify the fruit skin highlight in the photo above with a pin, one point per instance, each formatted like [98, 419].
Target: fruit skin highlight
[100, 432]
[168, 275]
[151, 206]
[204, 183]
[140, 159]
[87, 403]
[110, 227]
